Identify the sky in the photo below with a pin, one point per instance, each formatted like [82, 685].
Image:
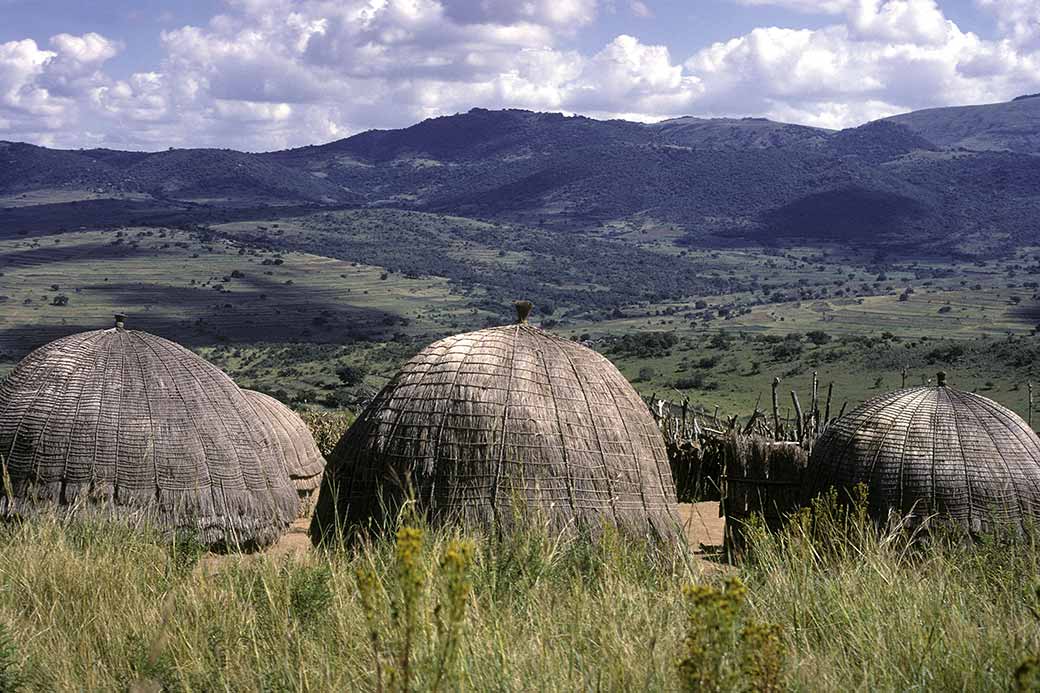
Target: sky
[260, 75]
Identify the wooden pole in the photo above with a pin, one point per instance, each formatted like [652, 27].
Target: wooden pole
[1030, 385]
[827, 410]
[799, 421]
[904, 376]
[776, 410]
[814, 411]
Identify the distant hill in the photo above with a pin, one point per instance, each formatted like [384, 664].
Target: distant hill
[934, 181]
[1012, 126]
[222, 174]
[733, 134]
[28, 167]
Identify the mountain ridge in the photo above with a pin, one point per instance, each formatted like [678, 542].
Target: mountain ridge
[946, 175]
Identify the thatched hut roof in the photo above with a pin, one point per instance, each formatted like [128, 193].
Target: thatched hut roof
[934, 450]
[508, 418]
[140, 426]
[293, 441]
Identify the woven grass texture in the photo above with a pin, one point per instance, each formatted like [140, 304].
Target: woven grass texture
[293, 442]
[135, 424]
[480, 425]
[935, 450]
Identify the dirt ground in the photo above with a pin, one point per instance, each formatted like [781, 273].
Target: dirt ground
[701, 523]
[703, 526]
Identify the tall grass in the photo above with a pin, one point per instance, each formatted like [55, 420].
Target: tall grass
[870, 610]
[824, 605]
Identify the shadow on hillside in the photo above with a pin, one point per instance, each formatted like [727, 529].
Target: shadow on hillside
[851, 215]
[94, 215]
[1026, 314]
[202, 316]
[45, 255]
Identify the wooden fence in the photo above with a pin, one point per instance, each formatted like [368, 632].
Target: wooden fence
[752, 468]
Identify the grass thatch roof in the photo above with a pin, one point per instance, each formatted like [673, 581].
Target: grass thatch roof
[293, 441]
[935, 450]
[481, 424]
[140, 426]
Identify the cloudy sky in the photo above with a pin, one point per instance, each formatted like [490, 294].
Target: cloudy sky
[268, 74]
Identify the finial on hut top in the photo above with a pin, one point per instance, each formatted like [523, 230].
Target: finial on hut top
[523, 309]
[940, 378]
[120, 321]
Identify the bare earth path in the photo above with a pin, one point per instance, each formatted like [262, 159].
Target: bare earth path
[701, 524]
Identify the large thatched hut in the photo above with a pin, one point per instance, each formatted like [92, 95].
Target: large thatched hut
[294, 443]
[482, 427]
[137, 426]
[934, 452]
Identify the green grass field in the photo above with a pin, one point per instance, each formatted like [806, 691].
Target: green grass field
[211, 294]
[262, 300]
[94, 607]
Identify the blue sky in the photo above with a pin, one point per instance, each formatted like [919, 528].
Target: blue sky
[267, 74]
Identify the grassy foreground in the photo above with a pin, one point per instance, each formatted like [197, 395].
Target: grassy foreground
[822, 606]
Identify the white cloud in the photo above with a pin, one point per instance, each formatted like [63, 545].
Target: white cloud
[42, 91]
[885, 58]
[1018, 19]
[286, 74]
[85, 50]
[21, 64]
[565, 14]
[632, 76]
[900, 21]
[641, 9]
[806, 6]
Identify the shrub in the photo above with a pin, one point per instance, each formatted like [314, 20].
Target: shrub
[786, 350]
[351, 375]
[327, 428]
[724, 649]
[646, 374]
[645, 344]
[818, 337]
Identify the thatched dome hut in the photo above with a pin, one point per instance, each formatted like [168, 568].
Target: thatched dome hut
[934, 451]
[293, 441]
[140, 427]
[505, 419]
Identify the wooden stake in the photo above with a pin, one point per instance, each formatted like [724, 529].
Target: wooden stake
[904, 375]
[1030, 385]
[815, 409]
[827, 410]
[776, 410]
[798, 414]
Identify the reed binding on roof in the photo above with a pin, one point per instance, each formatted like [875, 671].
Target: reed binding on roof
[934, 451]
[479, 424]
[136, 425]
[292, 440]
